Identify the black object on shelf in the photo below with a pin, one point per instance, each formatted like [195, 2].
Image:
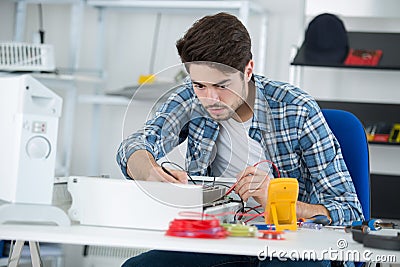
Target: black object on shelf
[389, 43]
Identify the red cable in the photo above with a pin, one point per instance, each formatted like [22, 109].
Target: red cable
[256, 207]
[196, 229]
[231, 188]
[255, 216]
[273, 165]
[258, 215]
[255, 165]
[199, 228]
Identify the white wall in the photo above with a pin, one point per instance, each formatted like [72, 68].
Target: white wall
[128, 46]
[6, 20]
[127, 55]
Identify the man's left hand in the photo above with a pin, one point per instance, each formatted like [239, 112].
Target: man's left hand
[305, 210]
[253, 182]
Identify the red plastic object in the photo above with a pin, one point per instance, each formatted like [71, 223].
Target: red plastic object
[362, 57]
[272, 235]
[196, 229]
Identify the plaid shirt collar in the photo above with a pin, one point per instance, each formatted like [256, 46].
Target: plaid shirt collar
[261, 119]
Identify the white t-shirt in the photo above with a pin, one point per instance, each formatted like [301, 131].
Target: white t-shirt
[235, 150]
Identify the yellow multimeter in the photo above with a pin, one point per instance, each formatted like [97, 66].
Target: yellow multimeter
[281, 203]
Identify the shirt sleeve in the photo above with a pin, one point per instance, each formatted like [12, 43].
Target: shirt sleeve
[328, 172]
[160, 134]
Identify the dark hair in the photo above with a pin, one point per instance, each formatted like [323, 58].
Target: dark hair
[220, 38]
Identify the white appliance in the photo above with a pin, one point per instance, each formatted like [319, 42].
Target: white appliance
[29, 114]
[131, 204]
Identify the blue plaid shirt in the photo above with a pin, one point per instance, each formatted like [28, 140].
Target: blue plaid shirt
[288, 124]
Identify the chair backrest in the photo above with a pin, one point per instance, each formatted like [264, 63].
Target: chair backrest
[351, 136]
[1, 248]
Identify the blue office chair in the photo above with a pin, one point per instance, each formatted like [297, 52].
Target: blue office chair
[350, 133]
[1, 248]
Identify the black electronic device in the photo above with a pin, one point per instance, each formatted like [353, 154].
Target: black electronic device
[376, 241]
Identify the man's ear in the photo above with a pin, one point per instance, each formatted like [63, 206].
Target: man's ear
[248, 70]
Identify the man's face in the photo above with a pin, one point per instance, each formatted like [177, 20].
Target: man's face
[220, 93]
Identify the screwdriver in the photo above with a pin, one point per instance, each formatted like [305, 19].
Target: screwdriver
[363, 228]
[373, 224]
[366, 226]
[310, 225]
[389, 225]
[317, 219]
[349, 228]
[376, 224]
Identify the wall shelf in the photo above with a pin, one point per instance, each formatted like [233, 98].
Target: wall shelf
[383, 143]
[369, 109]
[389, 43]
[368, 113]
[165, 4]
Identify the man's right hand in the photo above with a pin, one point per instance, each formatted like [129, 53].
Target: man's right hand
[142, 166]
[158, 174]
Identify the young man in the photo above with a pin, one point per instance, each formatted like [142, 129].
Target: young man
[232, 119]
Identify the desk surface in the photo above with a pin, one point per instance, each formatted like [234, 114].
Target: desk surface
[324, 243]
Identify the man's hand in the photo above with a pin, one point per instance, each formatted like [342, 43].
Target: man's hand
[156, 173]
[142, 166]
[305, 210]
[253, 182]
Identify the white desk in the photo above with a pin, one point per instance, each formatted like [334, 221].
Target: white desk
[295, 245]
